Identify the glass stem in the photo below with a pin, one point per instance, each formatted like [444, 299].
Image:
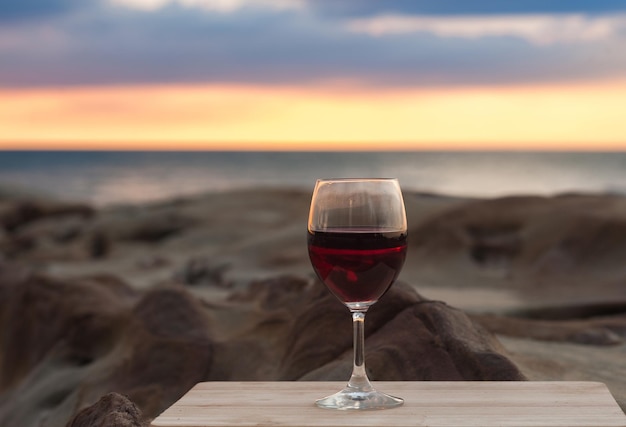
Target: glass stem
[358, 380]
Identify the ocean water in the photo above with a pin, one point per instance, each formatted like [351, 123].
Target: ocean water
[122, 177]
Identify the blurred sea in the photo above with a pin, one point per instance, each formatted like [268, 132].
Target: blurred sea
[114, 177]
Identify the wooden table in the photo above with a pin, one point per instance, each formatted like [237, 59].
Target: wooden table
[479, 404]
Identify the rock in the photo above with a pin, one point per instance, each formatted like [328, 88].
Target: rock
[598, 331]
[16, 213]
[542, 251]
[98, 245]
[136, 224]
[154, 229]
[112, 410]
[407, 338]
[58, 233]
[201, 271]
[39, 315]
[67, 343]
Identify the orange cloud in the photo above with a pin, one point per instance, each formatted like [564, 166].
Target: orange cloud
[567, 116]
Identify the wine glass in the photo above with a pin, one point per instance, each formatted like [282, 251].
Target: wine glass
[357, 240]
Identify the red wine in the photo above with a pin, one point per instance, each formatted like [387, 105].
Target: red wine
[357, 266]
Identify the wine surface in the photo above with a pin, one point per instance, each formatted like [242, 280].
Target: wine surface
[357, 266]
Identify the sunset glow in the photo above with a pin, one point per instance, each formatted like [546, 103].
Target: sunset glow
[312, 75]
[231, 117]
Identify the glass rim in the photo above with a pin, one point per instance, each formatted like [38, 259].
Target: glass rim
[355, 179]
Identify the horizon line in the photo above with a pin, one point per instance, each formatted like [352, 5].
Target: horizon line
[309, 147]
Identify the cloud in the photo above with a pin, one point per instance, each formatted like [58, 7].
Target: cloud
[211, 5]
[536, 29]
[178, 41]
[365, 8]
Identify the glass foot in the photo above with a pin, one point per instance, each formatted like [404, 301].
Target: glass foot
[349, 398]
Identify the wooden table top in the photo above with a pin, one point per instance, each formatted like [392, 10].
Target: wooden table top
[427, 403]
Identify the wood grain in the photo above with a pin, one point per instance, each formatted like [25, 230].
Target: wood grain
[435, 404]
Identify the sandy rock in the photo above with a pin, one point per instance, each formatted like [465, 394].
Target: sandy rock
[600, 330]
[201, 271]
[67, 343]
[45, 231]
[86, 312]
[543, 252]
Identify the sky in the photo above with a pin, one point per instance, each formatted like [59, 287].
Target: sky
[304, 74]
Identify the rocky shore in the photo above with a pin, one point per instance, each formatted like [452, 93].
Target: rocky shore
[108, 316]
